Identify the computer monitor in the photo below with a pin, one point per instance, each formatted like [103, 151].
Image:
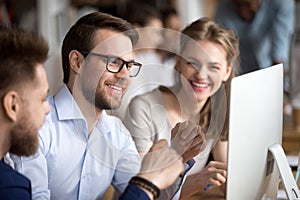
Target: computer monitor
[255, 124]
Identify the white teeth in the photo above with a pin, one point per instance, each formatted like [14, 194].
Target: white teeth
[115, 87]
[199, 85]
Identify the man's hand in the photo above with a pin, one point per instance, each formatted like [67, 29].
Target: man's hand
[161, 165]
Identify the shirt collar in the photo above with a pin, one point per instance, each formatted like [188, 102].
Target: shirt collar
[67, 107]
[104, 123]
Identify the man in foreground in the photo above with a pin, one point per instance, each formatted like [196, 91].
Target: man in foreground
[23, 92]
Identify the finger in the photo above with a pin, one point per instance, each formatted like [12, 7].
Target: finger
[196, 148]
[220, 178]
[199, 139]
[197, 145]
[218, 165]
[217, 179]
[189, 135]
[180, 130]
[223, 173]
[215, 182]
[187, 129]
[218, 172]
[184, 136]
[159, 145]
[174, 130]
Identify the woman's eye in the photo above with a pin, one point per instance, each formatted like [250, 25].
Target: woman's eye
[214, 67]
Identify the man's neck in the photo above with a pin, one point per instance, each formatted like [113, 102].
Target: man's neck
[90, 113]
[4, 143]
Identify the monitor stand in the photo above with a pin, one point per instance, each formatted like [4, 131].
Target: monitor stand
[290, 186]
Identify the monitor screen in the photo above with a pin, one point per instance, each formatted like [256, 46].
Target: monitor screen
[255, 123]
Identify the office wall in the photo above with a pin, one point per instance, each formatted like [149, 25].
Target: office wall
[53, 22]
[56, 16]
[193, 9]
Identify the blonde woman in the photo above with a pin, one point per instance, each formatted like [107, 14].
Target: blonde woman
[204, 70]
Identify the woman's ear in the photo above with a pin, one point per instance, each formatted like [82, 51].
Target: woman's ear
[75, 59]
[227, 73]
[11, 105]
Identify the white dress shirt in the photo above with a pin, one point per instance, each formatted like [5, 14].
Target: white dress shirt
[69, 164]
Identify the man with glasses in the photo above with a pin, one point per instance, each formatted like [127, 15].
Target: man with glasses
[82, 149]
[115, 64]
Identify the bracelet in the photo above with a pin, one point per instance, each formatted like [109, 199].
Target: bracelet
[146, 185]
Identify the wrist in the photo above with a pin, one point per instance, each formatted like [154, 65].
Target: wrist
[148, 193]
[146, 186]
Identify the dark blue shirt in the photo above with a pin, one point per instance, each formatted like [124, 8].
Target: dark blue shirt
[134, 192]
[13, 185]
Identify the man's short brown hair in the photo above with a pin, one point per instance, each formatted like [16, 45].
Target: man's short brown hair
[80, 37]
[20, 52]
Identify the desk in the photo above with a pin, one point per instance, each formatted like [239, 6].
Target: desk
[291, 146]
[215, 193]
[290, 138]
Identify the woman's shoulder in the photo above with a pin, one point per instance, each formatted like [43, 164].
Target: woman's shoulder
[152, 96]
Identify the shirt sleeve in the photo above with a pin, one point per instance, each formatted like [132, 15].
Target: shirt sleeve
[173, 191]
[35, 168]
[129, 161]
[13, 185]
[134, 192]
[282, 30]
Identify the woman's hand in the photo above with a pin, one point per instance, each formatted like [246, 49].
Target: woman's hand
[215, 173]
[187, 139]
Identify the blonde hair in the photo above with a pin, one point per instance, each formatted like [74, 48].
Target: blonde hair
[205, 29]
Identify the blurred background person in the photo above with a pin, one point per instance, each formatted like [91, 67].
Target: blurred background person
[295, 70]
[169, 46]
[147, 20]
[4, 14]
[265, 28]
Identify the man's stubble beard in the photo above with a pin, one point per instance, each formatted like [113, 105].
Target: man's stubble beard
[101, 100]
[107, 103]
[24, 137]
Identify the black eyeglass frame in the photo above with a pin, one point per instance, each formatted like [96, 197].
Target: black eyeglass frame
[124, 62]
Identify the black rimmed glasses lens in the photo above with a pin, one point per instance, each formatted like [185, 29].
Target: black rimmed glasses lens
[115, 64]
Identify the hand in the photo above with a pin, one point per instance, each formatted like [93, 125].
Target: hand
[215, 173]
[187, 139]
[161, 165]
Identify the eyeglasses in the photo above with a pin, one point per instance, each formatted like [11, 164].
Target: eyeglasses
[115, 64]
